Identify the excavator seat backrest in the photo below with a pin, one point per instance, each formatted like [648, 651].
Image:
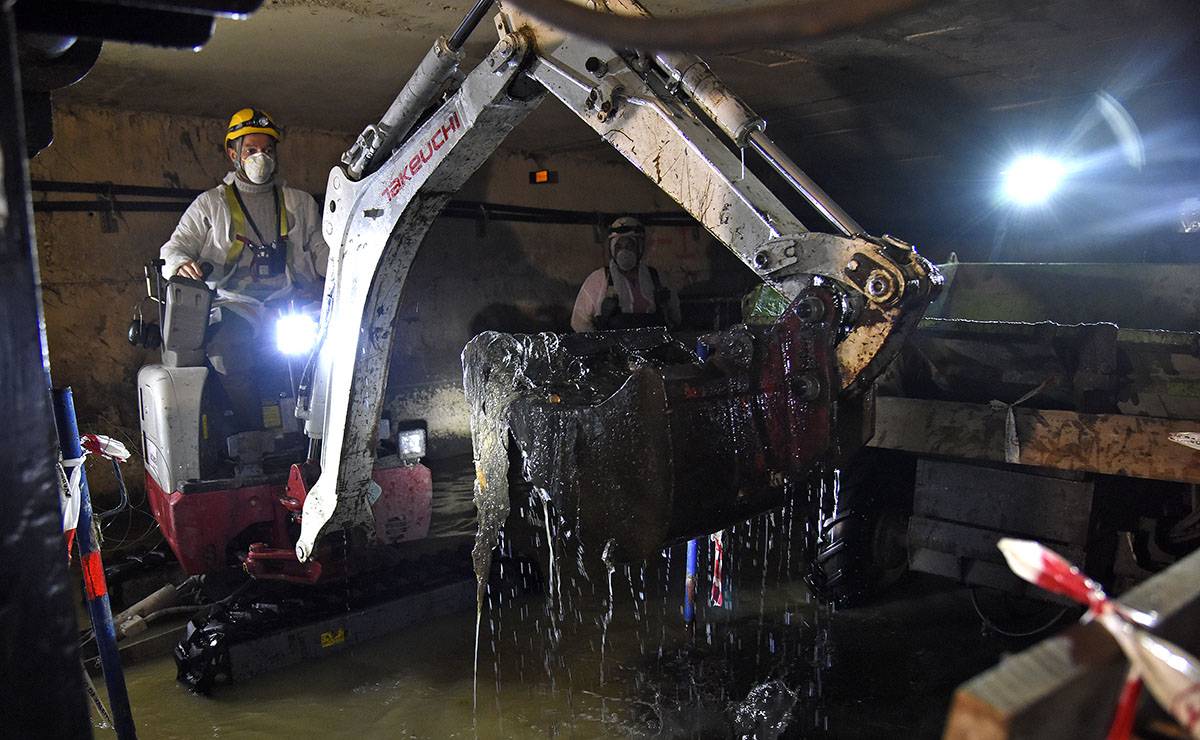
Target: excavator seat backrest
[185, 322]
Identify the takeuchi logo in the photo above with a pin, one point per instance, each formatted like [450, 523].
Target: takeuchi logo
[439, 139]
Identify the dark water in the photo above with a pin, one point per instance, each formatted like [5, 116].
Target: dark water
[453, 508]
[590, 659]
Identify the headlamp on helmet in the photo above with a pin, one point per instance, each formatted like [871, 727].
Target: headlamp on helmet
[250, 121]
[627, 225]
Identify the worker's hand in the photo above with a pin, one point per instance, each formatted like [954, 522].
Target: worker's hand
[190, 269]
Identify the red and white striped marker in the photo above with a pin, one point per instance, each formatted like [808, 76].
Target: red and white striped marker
[1170, 673]
[98, 444]
[716, 596]
[68, 495]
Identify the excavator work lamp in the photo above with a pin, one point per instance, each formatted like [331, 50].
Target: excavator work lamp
[410, 443]
[295, 334]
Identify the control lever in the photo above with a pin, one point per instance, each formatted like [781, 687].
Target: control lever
[152, 270]
[141, 331]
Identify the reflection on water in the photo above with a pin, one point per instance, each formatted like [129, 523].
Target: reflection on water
[597, 660]
[453, 510]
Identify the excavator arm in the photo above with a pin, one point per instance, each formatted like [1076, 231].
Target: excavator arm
[667, 114]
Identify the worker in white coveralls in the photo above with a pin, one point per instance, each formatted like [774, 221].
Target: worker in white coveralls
[626, 293]
[256, 242]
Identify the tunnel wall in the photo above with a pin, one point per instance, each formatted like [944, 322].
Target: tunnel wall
[469, 276]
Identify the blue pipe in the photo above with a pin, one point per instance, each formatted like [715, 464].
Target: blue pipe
[689, 597]
[94, 585]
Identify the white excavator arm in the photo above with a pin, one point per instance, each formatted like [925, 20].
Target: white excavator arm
[666, 114]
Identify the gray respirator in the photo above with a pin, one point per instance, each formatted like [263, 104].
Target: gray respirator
[626, 250]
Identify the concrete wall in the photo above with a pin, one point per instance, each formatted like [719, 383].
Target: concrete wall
[467, 278]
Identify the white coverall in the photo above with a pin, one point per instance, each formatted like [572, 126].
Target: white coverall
[234, 344]
[205, 234]
[636, 296]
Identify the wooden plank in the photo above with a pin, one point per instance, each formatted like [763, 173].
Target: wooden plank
[1112, 444]
[1023, 504]
[973, 572]
[964, 541]
[1067, 685]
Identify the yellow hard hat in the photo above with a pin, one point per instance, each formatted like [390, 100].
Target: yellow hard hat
[251, 121]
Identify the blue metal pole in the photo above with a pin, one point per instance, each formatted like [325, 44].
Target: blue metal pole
[94, 585]
[689, 598]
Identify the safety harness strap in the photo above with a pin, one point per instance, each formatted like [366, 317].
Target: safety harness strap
[240, 219]
[612, 291]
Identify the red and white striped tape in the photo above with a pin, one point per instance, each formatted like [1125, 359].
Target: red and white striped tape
[716, 596]
[72, 473]
[1170, 673]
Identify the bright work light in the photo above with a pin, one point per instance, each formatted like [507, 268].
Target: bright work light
[295, 333]
[1032, 179]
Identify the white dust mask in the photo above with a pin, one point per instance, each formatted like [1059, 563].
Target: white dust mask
[259, 167]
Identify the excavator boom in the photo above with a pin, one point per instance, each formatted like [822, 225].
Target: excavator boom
[669, 115]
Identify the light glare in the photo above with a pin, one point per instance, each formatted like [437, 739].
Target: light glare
[295, 334]
[1032, 179]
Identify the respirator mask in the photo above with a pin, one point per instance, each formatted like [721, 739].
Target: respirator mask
[259, 167]
[626, 249]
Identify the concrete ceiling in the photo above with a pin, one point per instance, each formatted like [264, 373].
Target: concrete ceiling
[335, 64]
[913, 102]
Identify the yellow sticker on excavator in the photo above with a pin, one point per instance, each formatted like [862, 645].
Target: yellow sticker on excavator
[272, 418]
[331, 638]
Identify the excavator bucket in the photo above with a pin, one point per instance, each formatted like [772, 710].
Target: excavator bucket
[638, 441]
